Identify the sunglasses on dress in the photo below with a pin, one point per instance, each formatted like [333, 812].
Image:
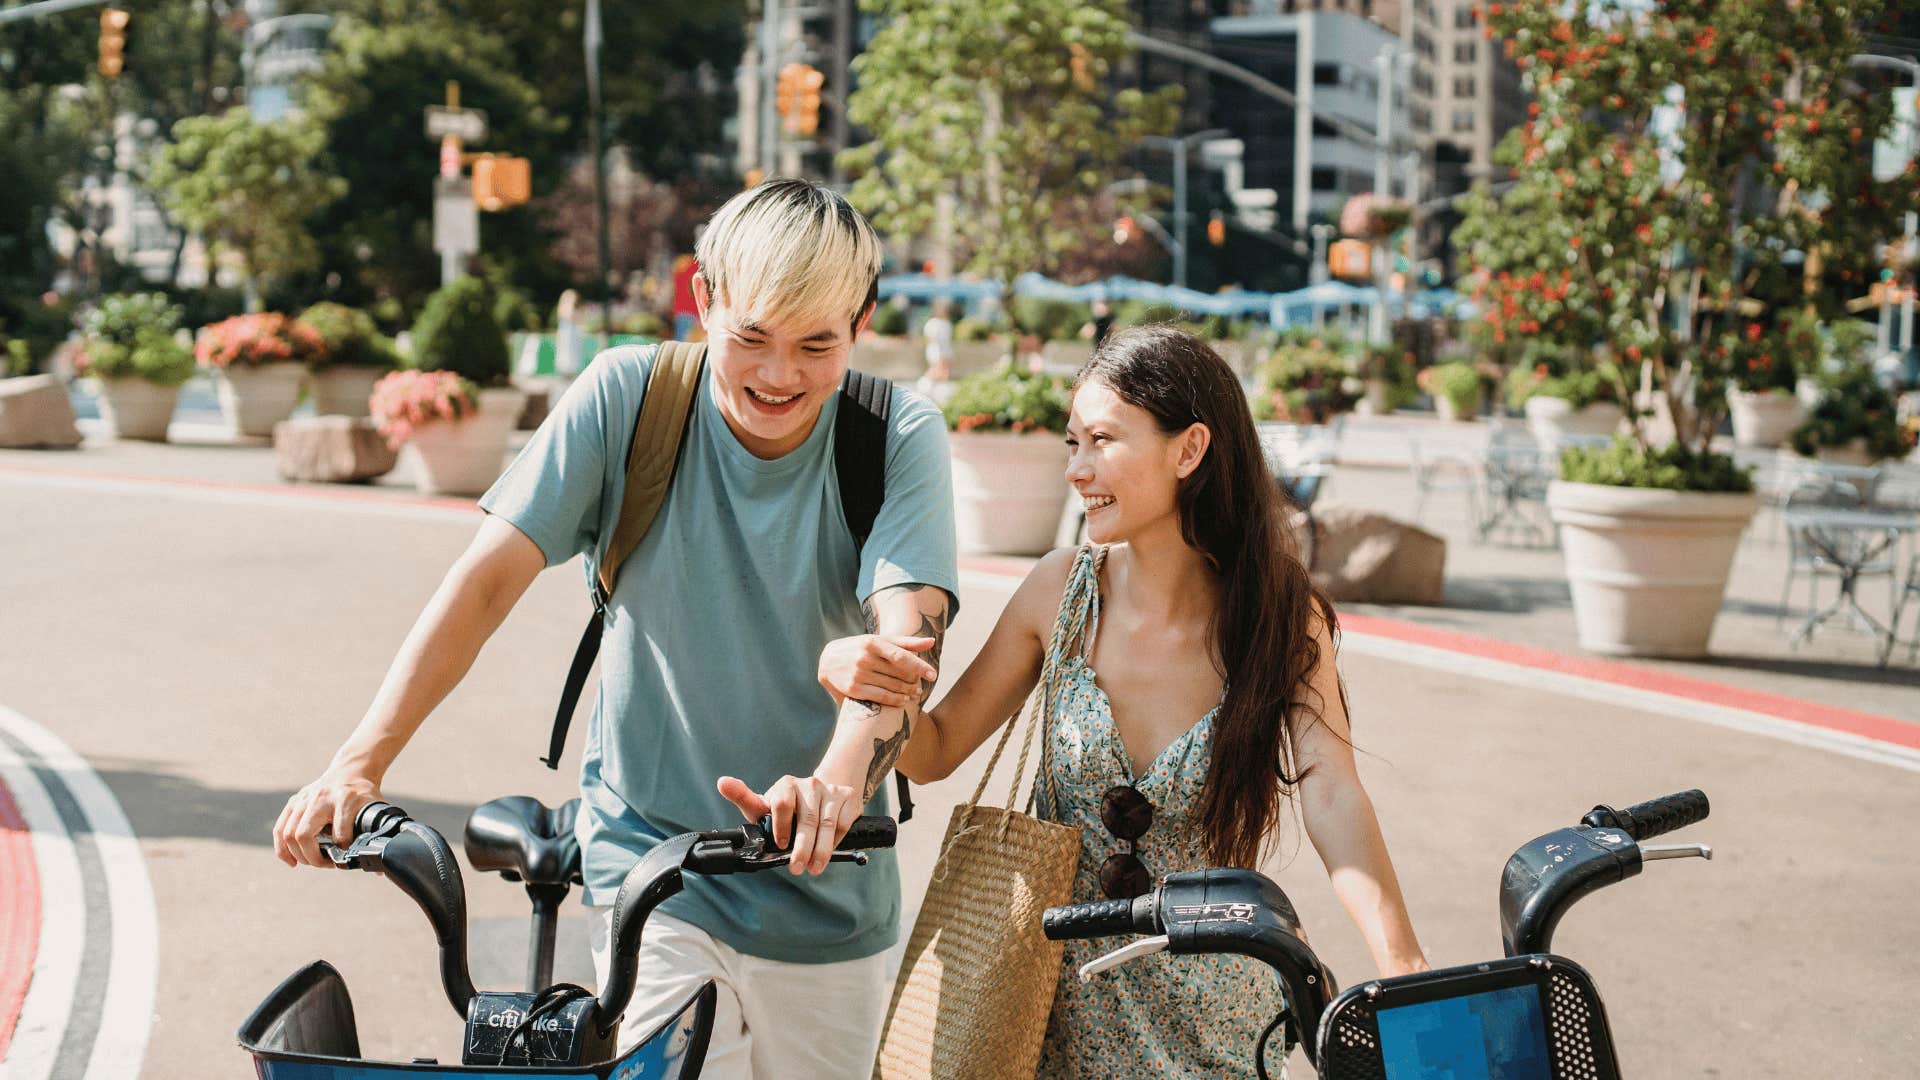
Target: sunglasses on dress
[1127, 815]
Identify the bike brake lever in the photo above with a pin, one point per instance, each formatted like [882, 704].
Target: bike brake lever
[1146, 946]
[366, 850]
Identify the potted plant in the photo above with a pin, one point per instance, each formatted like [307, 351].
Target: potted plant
[356, 357]
[1387, 375]
[1855, 422]
[1009, 461]
[457, 451]
[1657, 237]
[1568, 403]
[1455, 388]
[136, 366]
[1306, 379]
[259, 363]
[1761, 399]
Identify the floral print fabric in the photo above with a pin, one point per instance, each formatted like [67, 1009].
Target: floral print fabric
[1186, 1016]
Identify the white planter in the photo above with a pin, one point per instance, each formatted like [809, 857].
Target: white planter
[972, 356]
[1068, 354]
[465, 456]
[1375, 401]
[1552, 419]
[1765, 419]
[1008, 491]
[253, 399]
[1853, 454]
[135, 408]
[342, 390]
[1648, 568]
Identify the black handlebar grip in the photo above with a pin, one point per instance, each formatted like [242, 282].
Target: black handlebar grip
[870, 831]
[1644, 821]
[1102, 918]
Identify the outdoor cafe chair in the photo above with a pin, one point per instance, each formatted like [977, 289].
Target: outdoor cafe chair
[1443, 469]
[1808, 558]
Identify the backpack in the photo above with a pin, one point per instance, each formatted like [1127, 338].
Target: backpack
[859, 460]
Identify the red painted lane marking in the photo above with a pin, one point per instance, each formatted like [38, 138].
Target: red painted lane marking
[335, 493]
[1867, 725]
[19, 915]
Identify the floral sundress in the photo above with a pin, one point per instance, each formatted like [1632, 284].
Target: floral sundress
[1161, 1015]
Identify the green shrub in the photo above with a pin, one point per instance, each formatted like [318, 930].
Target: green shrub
[889, 320]
[1457, 382]
[1053, 320]
[972, 328]
[1143, 313]
[1853, 405]
[131, 335]
[1578, 389]
[1305, 379]
[1675, 468]
[457, 332]
[18, 359]
[122, 318]
[351, 336]
[1008, 398]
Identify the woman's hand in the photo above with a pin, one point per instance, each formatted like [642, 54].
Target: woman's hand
[884, 669]
[331, 802]
[811, 813]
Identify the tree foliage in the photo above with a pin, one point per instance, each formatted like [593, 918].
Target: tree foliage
[248, 187]
[1693, 174]
[999, 106]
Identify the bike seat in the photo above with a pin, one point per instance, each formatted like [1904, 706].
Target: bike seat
[519, 838]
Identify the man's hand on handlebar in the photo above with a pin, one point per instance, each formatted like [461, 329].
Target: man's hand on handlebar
[886, 669]
[329, 803]
[810, 815]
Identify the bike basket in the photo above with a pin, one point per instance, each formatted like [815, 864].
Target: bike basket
[1526, 1017]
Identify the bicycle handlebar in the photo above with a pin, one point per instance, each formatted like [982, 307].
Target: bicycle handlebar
[1644, 821]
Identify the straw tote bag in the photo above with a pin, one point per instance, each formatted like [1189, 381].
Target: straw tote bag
[978, 979]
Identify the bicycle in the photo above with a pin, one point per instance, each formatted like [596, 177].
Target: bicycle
[305, 1029]
[1532, 1015]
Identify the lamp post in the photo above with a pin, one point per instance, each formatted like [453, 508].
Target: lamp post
[1178, 146]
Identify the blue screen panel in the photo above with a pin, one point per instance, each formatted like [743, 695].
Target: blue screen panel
[1496, 1035]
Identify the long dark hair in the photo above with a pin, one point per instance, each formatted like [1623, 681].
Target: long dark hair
[1234, 515]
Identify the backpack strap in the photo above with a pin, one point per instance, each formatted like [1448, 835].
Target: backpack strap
[860, 450]
[651, 457]
[860, 461]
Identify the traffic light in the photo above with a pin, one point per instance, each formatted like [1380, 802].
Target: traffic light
[1350, 259]
[500, 182]
[808, 107]
[113, 42]
[796, 98]
[1123, 230]
[1217, 230]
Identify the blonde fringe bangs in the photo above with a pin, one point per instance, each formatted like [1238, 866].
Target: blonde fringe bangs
[790, 252]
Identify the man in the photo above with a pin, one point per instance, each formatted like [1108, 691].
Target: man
[746, 591]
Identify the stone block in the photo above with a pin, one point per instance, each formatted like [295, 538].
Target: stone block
[1364, 556]
[35, 412]
[331, 449]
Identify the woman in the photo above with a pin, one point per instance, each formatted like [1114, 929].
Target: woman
[1200, 697]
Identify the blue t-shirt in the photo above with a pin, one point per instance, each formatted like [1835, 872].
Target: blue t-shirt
[712, 643]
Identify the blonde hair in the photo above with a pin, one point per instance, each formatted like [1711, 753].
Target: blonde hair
[790, 249]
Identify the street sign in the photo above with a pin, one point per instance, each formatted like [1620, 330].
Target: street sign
[456, 221]
[467, 125]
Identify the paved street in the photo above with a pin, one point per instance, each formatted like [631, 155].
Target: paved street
[203, 644]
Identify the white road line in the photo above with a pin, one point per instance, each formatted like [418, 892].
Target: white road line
[126, 1014]
[63, 925]
[1606, 693]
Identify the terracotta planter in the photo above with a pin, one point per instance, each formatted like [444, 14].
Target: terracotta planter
[1008, 491]
[343, 391]
[254, 398]
[465, 457]
[1553, 419]
[1648, 568]
[135, 408]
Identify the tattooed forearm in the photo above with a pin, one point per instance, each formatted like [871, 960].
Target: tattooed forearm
[928, 607]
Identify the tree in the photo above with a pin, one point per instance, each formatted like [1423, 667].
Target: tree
[1695, 176]
[996, 108]
[249, 188]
